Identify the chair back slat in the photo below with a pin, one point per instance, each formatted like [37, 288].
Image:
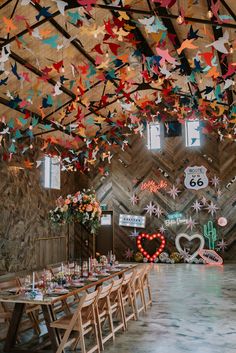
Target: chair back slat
[127, 278]
[104, 291]
[10, 284]
[88, 299]
[116, 285]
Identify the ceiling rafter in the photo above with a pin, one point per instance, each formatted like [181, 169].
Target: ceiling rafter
[25, 31]
[218, 32]
[5, 4]
[228, 8]
[74, 4]
[81, 50]
[42, 121]
[50, 80]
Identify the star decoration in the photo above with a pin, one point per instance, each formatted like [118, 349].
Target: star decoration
[191, 223]
[129, 254]
[173, 192]
[134, 234]
[134, 199]
[197, 206]
[150, 209]
[215, 181]
[158, 212]
[212, 208]
[162, 229]
[221, 245]
[219, 193]
[204, 200]
[185, 254]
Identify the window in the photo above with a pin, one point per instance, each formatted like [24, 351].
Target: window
[52, 173]
[192, 133]
[153, 136]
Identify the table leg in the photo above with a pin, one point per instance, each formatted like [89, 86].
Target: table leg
[53, 333]
[14, 325]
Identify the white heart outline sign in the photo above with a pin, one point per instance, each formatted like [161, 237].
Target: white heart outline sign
[190, 238]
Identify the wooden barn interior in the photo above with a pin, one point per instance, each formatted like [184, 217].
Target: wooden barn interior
[118, 157]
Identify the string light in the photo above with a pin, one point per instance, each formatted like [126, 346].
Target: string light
[209, 14]
[31, 146]
[151, 258]
[180, 20]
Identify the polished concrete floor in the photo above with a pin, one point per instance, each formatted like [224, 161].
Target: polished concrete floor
[194, 311]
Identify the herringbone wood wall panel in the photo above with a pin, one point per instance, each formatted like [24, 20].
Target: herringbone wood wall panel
[129, 169]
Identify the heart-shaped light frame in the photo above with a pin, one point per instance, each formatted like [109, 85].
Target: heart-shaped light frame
[151, 258]
[190, 238]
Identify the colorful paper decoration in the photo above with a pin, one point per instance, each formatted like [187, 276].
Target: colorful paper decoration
[210, 234]
[210, 257]
[152, 186]
[150, 237]
[196, 178]
[189, 238]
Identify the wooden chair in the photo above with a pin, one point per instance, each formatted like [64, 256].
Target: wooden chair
[6, 310]
[147, 294]
[128, 298]
[104, 313]
[116, 303]
[137, 292]
[83, 321]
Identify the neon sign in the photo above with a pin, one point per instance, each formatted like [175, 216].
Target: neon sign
[152, 186]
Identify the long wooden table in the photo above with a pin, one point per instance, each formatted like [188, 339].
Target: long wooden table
[47, 304]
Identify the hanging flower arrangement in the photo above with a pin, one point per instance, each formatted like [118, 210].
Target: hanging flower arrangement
[81, 207]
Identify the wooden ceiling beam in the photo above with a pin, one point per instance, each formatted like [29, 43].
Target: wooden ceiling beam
[39, 73]
[42, 121]
[74, 4]
[218, 32]
[80, 49]
[228, 8]
[5, 4]
[25, 31]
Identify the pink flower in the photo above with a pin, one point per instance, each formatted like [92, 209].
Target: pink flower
[89, 208]
[60, 202]
[67, 201]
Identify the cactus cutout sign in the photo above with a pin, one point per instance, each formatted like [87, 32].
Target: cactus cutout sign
[209, 232]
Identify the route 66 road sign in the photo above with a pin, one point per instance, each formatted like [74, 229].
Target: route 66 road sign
[195, 178]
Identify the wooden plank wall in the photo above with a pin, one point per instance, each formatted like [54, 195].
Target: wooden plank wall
[136, 165]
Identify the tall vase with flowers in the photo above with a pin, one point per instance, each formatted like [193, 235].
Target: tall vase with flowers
[81, 207]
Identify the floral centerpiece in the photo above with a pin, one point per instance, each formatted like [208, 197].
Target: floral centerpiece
[81, 207]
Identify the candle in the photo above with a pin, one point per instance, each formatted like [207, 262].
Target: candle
[89, 264]
[33, 282]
